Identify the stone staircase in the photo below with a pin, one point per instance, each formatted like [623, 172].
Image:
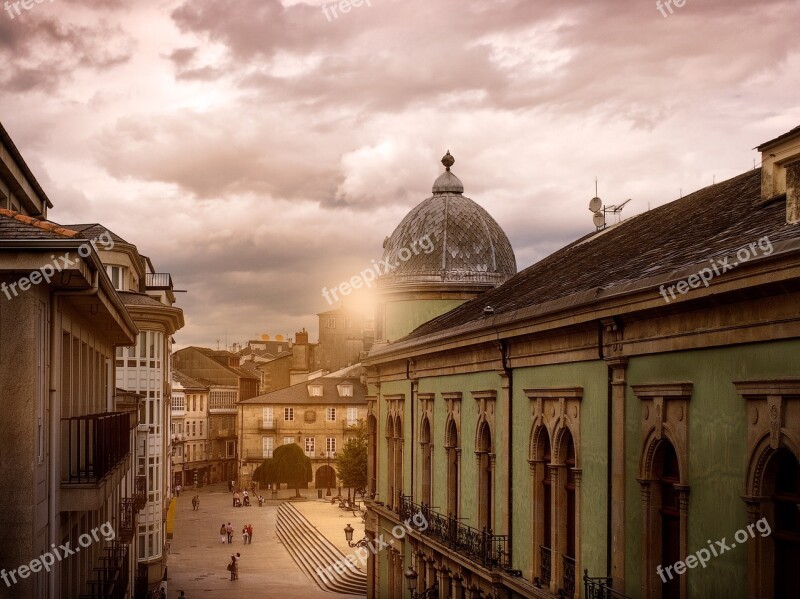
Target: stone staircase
[316, 555]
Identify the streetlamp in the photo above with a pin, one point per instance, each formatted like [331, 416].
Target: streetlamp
[348, 535]
[411, 578]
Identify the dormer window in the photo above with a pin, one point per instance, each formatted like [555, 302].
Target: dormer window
[345, 390]
[315, 390]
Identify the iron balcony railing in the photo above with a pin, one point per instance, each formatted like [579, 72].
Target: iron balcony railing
[600, 588]
[481, 546]
[127, 519]
[568, 582]
[139, 492]
[547, 566]
[93, 446]
[111, 579]
[158, 280]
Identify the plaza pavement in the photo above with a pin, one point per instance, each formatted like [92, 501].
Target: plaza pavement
[197, 559]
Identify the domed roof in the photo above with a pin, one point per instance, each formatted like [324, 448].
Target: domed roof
[448, 238]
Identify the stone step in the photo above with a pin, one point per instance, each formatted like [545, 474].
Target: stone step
[316, 555]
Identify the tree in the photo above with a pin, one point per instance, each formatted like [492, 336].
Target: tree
[266, 473]
[351, 462]
[291, 465]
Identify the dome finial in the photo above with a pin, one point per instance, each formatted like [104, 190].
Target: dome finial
[448, 160]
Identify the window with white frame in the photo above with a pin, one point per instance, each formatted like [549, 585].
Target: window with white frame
[330, 445]
[315, 390]
[288, 440]
[331, 323]
[330, 414]
[352, 416]
[268, 417]
[288, 414]
[346, 390]
[310, 444]
[117, 276]
[267, 446]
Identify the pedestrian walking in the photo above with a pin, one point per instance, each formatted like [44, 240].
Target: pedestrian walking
[194, 503]
[229, 531]
[223, 533]
[244, 534]
[232, 567]
[178, 491]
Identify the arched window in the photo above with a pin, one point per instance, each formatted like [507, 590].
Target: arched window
[372, 459]
[427, 459]
[453, 469]
[390, 462]
[398, 459]
[784, 474]
[542, 507]
[668, 475]
[485, 479]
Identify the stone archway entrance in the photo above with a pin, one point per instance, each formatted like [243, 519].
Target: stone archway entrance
[325, 478]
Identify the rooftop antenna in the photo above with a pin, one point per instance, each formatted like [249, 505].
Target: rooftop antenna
[600, 211]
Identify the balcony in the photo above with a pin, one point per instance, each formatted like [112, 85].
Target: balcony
[600, 588]
[547, 567]
[139, 492]
[178, 410]
[483, 547]
[267, 425]
[110, 580]
[127, 519]
[158, 281]
[92, 449]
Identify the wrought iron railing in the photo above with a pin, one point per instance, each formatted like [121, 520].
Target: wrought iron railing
[600, 588]
[111, 579]
[93, 446]
[140, 492]
[568, 579]
[547, 566]
[481, 546]
[127, 519]
[158, 280]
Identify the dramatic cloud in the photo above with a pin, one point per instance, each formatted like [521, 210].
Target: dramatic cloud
[260, 150]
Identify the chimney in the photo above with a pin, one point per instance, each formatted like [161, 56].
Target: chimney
[780, 172]
[301, 338]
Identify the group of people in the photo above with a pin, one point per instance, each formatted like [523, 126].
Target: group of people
[226, 533]
[237, 499]
[196, 503]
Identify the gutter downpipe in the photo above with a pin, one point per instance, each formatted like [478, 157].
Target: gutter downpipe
[412, 394]
[504, 356]
[609, 446]
[55, 412]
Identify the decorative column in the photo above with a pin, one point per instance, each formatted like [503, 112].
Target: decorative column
[558, 525]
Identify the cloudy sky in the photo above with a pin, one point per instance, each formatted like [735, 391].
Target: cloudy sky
[259, 150]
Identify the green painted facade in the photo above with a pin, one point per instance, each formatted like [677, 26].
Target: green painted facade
[402, 317]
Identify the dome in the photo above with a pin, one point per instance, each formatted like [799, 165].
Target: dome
[448, 238]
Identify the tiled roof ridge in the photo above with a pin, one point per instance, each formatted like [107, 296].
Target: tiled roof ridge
[45, 225]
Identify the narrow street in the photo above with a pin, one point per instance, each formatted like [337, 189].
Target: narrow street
[198, 559]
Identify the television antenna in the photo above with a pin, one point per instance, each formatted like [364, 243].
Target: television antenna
[600, 211]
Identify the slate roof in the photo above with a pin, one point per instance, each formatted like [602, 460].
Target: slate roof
[14, 225]
[94, 230]
[17, 156]
[710, 223]
[186, 381]
[130, 298]
[298, 394]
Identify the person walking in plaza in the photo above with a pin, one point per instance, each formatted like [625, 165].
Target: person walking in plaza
[194, 503]
[249, 534]
[232, 567]
[177, 490]
[223, 533]
[229, 531]
[244, 534]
